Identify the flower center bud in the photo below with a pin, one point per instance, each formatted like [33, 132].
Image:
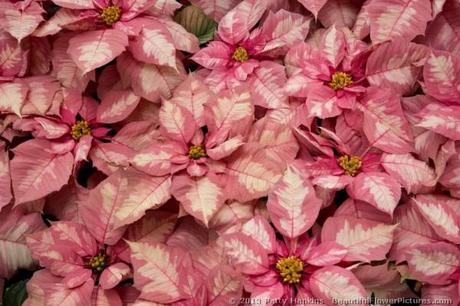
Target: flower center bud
[110, 14]
[197, 152]
[240, 55]
[98, 262]
[350, 164]
[340, 80]
[80, 129]
[290, 269]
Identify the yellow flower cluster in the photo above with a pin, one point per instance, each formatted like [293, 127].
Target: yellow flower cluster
[197, 152]
[340, 80]
[240, 55]
[98, 262]
[290, 269]
[80, 129]
[111, 14]
[350, 164]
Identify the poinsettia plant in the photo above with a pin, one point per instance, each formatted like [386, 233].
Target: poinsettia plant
[240, 152]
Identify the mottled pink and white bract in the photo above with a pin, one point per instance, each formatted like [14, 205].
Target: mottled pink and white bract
[240, 152]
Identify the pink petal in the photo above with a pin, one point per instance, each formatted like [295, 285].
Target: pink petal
[36, 172]
[284, 29]
[363, 210]
[43, 97]
[201, 197]
[165, 7]
[88, 109]
[193, 94]
[73, 101]
[137, 135]
[260, 230]
[379, 189]
[268, 294]
[46, 284]
[40, 61]
[21, 23]
[177, 123]
[140, 76]
[412, 230]
[214, 8]
[12, 97]
[155, 226]
[410, 172]
[15, 254]
[116, 106]
[11, 56]
[182, 39]
[97, 210]
[433, 263]
[77, 278]
[365, 240]
[35, 287]
[440, 212]
[94, 49]
[327, 253]
[441, 119]
[50, 129]
[292, 204]
[225, 149]
[342, 13]
[82, 148]
[109, 79]
[267, 85]
[142, 192]
[102, 297]
[276, 139]
[323, 103]
[75, 4]
[440, 294]
[154, 45]
[396, 65]
[231, 112]
[299, 85]
[271, 278]
[246, 254]
[384, 123]
[113, 275]
[223, 285]
[237, 23]
[61, 295]
[389, 19]
[163, 283]
[192, 236]
[73, 235]
[108, 157]
[250, 178]
[230, 217]
[447, 23]
[332, 181]
[334, 284]
[5, 179]
[154, 160]
[216, 55]
[440, 75]
[136, 7]
[333, 45]
[62, 18]
[195, 169]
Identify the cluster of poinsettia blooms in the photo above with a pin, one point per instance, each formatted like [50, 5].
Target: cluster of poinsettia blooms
[310, 150]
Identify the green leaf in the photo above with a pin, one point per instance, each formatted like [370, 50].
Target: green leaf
[15, 294]
[195, 21]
